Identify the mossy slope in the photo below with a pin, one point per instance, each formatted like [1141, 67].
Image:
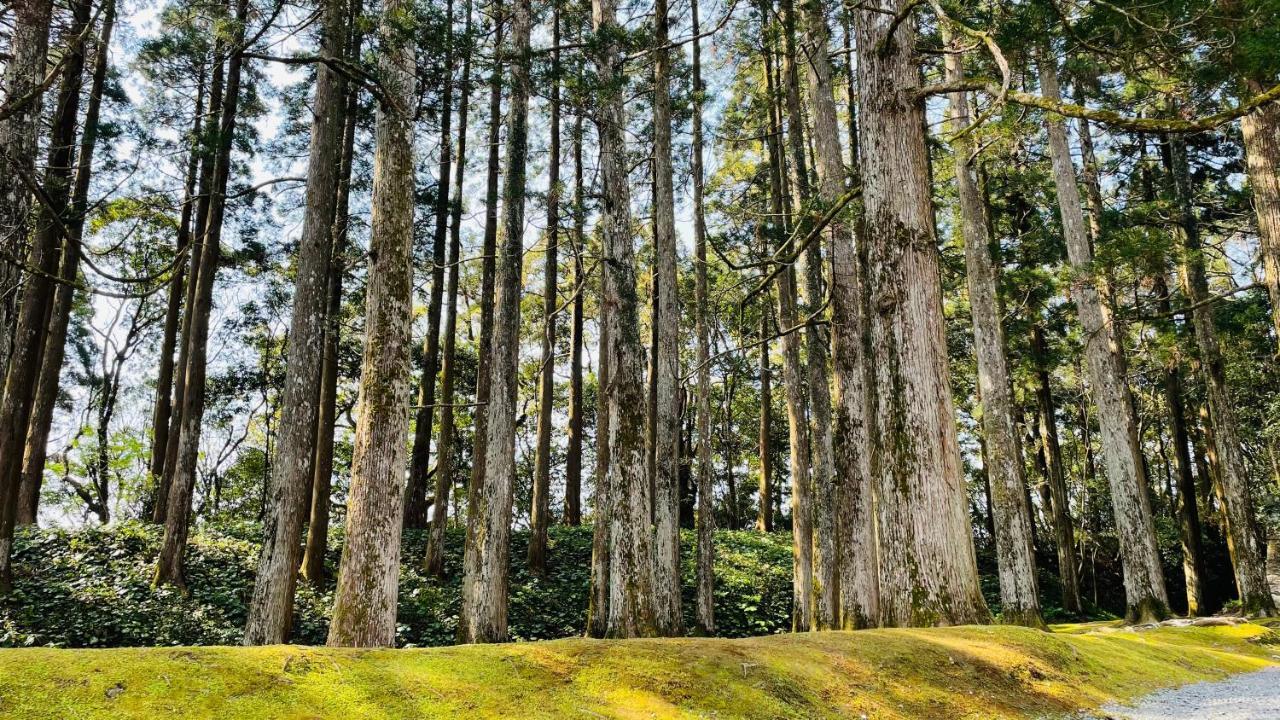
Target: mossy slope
[951, 673]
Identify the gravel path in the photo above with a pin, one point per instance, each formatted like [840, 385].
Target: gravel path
[1251, 696]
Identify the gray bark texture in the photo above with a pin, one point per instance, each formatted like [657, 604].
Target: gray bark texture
[705, 516]
[851, 535]
[1145, 593]
[364, 613]
[630, 541]
[1015, 555]
[289, 495]
[666, 381]
[487, 559]
[24, 71]
[928, 572]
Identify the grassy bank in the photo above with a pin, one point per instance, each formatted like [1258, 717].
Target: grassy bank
[952, 673]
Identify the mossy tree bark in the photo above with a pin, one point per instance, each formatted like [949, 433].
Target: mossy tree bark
[666, 380]
[630, 541]
[540, 510]
[926, 578]
[445, 449]
[573, 460]
[487, 557]
[853, 527]
[1145, 593]
[1015, 554]
[289, 495]
[364, 613]
[705, 518]
[47, 384]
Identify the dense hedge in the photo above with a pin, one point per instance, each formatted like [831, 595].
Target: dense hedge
[92, 588]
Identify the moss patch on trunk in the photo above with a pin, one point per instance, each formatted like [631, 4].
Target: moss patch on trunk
[951, 673]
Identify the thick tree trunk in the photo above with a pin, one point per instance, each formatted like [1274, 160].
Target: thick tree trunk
[1242, 536]
[852, 491]
[31, 332]
[486, 561]
[541, 502]
[24, 72]
[60, 312]
[705, 520]
[573, 460]
[926, 578]
[1015, 554]
[271, 605]
[317, 543]
[666, 380]
[169, 567]
[1063, 525]
[764, 510]
[445, 465]
[631, 562]
[364, 613]
[1145, 594]
[1261, 130]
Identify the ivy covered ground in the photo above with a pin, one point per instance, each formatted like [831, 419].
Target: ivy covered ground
[948, 673]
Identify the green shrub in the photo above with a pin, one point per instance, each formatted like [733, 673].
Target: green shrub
[92, 588]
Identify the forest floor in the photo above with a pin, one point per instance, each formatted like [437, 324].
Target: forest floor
[946, 673]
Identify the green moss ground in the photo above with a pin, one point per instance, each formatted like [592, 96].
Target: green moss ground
[952, 673]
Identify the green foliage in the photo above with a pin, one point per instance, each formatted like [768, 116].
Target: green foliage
[92, 588]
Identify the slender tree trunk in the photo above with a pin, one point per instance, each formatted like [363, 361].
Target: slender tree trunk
[1193, 567]
[1063, 526]
[631, 560]
[666, 380]
[169, 568]
[479, 454]
[541, 505]
[19, 143]
[1015, 554]
[925, 578]
[1250, 568]
[598, 603]
[485, 566]
[417, 504]
[364, 613]
[60, 313]
[271, 606]
[317, 542]
[1146, 599]
[573, 461]
[705, 520]
[764, 512]
[797, 411]
[162, 414]
[208, 150]
[729, 448]
[852, 491]
[434, 562]
[31, 332]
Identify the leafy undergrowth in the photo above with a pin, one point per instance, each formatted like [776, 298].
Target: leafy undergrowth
[952, 673]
